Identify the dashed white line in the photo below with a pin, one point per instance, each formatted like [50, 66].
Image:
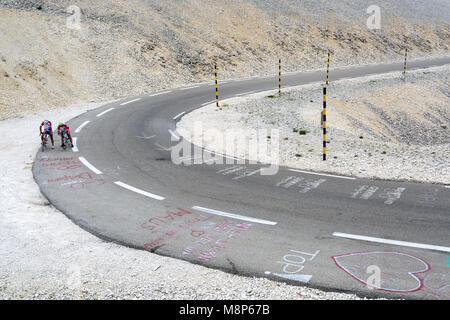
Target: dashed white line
[159, 93]
[234, 216]
[322, 174]
[134, 100]
[77, 130]
[142, 192]
[106, 111]
[393, 242]
[75, 148]
[446, 186]
[90, 166]
[178, 115]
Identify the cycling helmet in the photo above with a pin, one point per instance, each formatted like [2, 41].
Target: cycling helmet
[60, 124]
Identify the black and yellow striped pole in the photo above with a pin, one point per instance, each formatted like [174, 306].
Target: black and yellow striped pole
[406, 55]
[328, 66]
[217, 88]
[324, 126]
[279, 76]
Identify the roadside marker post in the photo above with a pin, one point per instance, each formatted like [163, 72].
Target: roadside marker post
[279, 76]
[217, 89]
[406, 55]
[324, 121]
[328, 66]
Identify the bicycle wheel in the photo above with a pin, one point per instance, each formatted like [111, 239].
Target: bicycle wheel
[44, 143]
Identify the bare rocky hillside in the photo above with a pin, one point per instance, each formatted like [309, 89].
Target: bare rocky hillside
[125, 48]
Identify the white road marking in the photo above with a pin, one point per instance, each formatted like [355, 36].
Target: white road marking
[149, 137]
[186, 88]
[125, 103]
[246, 174]
[234, 216]
[90, 166]
[393, 242]
[322, 174]
[75, 148]
[289, 182]
[106, 111]
[174, 135]
[142, 192]
[446, 186]
[159, 93]
[391, 195]
[178, 115]
[308, 185]
[204, 104]
[242, 94]
[296, 277]
[77, 130]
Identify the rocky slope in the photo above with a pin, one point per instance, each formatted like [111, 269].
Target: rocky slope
[125, 48]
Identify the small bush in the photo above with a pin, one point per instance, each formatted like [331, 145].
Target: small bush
[298, 155]
[295, 130]
[302, 132]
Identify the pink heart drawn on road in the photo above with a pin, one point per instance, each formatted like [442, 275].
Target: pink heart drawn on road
[398, 270]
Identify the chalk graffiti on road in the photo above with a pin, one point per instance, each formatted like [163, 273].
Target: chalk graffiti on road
[60, 163]
[305, 185]
[213, 237]
[400, 273]
[293, 263]
[389, 195]
[78, 181]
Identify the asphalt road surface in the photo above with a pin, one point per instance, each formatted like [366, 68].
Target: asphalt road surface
[371, 237]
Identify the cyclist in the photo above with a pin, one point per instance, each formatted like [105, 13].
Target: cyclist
[47, 130]
[64, 129]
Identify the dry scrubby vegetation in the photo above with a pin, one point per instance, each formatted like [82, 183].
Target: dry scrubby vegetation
[130, 47]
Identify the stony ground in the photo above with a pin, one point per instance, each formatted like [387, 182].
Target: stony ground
[126, 48]
[388, 127]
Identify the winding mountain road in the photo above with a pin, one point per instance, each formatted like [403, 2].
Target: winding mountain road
[329, 231]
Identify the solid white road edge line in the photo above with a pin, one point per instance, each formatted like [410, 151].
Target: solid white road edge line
[106, 111]
[234, 216]
[242, 94]
[192, 87]
[77, 130]
[204, 104]
[178, 115]
[159, 93]
[323, 174]
[125, 103]
[75, 148]
[144, 193]
[90, 166]
[393, 242]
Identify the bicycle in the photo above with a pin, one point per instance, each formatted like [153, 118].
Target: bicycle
[66, 141]
[44, 141]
